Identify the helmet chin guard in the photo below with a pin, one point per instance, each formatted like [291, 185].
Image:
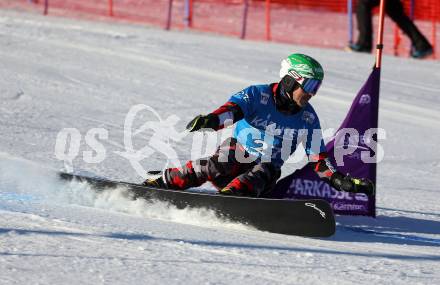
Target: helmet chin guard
[283, 100]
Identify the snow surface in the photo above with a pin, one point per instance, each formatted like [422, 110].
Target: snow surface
[58, 73]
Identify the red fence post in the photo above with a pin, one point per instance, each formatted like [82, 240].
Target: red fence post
[435, 12]
[434, 38]
[397, 40]
[190, 13]
[46, 7]
[170, 10]
[110, 8]
[245, 12]
[268, 36]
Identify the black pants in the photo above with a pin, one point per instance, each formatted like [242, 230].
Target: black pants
[394, 9]
[223, 168]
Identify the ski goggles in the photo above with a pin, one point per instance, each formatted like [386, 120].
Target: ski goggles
[310, 85]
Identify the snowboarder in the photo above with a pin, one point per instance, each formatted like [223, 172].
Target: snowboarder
[270, 120]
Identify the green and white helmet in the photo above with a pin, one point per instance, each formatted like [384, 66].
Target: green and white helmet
[305, 70]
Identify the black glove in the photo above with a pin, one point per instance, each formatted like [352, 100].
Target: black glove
[350, 184]
[209, 121]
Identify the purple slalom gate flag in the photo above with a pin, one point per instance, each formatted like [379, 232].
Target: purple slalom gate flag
[353, 150]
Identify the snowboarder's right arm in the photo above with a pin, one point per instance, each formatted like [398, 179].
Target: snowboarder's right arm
[224, 116]
[238, 106]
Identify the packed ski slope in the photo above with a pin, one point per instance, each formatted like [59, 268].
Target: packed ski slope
[57, 73]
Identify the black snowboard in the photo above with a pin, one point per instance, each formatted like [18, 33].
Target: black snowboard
[312, 218]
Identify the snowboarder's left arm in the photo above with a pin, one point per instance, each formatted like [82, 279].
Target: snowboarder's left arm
[322, 165]
[326, 171]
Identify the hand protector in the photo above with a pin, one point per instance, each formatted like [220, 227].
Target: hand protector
[209, 121]
[350, 184]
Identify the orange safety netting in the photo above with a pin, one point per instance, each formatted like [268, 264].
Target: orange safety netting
[423, 9]
[322, 23]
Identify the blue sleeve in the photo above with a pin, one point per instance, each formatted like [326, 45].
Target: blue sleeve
[245, 99]
[315, 143]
